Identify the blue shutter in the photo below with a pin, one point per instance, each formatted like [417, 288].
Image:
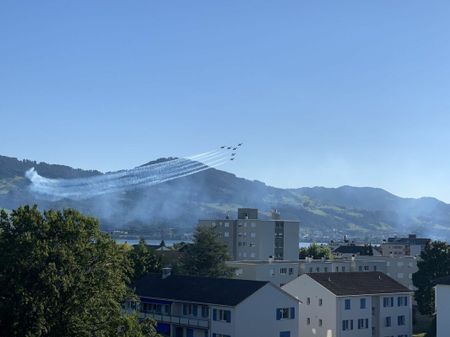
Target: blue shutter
[278, 314]
[195, 310]
[292, 313]
[406, 301]
[184, 309]
[214, 314]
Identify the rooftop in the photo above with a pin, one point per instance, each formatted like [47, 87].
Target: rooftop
[354, 249]
[229, 292]
[443, 280]
[345, 284]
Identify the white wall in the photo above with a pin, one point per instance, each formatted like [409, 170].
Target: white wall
[256, 316]
[443, 310]
[304, 287]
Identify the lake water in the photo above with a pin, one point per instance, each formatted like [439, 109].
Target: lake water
[172, 242]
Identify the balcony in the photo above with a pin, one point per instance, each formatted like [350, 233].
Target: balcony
[179, 320]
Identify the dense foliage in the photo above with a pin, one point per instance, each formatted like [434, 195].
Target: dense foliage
[60, 276]
[315, 251]
[206, 256]
[434, 263]
[144, 260]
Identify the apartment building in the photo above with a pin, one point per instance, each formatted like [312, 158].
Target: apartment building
[250, 238]
[352, 304]
[409, 246]
[400, 268]
[442, 303]
[277, 272]
[185, 306]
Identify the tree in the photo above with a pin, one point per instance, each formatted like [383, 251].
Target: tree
[144, 260]
[60, 276]
[434, 262]
[315, 251]
[206, 256]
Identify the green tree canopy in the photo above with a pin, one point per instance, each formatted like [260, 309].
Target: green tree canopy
[434, 262]
[315, 251]
[144, 260]
[206, 256]
[60, 276]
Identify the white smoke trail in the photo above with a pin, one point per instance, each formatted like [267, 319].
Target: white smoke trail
[147, 175]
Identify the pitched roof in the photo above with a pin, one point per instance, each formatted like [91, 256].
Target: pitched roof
[345, 284]
[442, 280]
[222, 291]
[354, 249]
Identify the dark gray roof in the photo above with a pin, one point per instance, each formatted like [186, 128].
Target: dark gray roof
[223, 291]
[345, 284]
[354, 249]
[443, 280]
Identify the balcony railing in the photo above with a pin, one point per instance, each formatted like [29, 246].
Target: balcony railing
[181, 320]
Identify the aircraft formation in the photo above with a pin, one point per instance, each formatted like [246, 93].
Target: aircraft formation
[123, 180]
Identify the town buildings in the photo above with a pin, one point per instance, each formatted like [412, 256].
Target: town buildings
[400, 269]
[186, 306]
[409, 246]
[352, 304]
[251, 238]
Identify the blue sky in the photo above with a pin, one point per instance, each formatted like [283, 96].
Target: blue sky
[321, 92]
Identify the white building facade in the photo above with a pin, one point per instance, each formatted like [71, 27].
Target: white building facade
[442, 303]
[352, 305]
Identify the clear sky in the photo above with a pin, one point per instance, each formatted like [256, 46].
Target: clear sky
[322, 93]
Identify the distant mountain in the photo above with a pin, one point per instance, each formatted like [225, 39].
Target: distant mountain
[324, 213]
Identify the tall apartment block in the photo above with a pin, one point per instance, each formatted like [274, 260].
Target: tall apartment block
[251, 238]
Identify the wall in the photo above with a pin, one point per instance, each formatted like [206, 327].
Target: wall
[443, 310]
[256, 316]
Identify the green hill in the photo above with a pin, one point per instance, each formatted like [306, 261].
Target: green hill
[324, 213]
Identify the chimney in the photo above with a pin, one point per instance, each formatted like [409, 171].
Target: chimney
[166, 272]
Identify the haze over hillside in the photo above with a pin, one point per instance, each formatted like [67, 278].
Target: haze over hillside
[323, 212]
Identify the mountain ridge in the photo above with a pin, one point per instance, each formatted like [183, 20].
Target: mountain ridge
[324, 212]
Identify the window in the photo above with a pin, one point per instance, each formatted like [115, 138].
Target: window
[189, 332]
[253, 235]
[291, 271]
[402, 301]
[363, 323]
[320, 322]
[337, 269]
[318, 269]
[388, 321]
[388, 302]
[205, 311]
[222, 315]
[325, 269]
[285, 313]
[285, 334]
[308, 321]
[347, 304]
[401, 320]
[362, 303]
[343, 268]
[360, 268]
[226, 234]
[310, 269]
[308, 301]
[366, 268]
[347, 324]
[227, 224]
[374, 268]
[320, 302]
[283, 270]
